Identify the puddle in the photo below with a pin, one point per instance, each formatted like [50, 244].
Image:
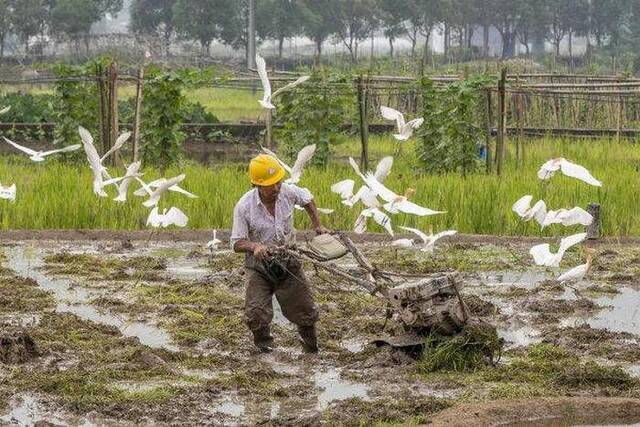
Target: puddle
[354, 345]
[186, 269]
[333, 388]
[21, 320]
[519, 334]
[620, 313]
[520, 279]
[26, 262]
[275, 410]
[230, 408]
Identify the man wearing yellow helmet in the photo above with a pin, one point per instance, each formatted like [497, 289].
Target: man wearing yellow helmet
[263, 220]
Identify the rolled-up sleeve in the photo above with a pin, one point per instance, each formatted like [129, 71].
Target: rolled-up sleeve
[301, 195]
[240, 230]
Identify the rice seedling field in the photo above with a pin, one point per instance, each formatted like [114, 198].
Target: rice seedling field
[54, 195]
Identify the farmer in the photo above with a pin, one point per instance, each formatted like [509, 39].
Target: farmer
[263, 220]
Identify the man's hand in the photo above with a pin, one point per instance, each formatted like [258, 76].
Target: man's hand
[261, 251]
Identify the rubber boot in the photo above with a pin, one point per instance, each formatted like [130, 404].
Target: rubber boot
[263, 340]
[309, 339]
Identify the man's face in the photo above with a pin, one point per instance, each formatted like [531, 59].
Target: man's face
[270, 194]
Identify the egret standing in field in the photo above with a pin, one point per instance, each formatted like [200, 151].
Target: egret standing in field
[405, 129]
[212, 244]
[39, 156]
[267, 97]
[578, 273]
[8, 193]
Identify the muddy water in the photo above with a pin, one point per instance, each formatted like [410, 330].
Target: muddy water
[621, 313]
[334, 388]
[27, 262]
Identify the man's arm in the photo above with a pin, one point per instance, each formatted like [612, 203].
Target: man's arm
[312, 211]
[259, 250]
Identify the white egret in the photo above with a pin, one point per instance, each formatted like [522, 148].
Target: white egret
[578, 273]
[569, 169]
[141, 192]
[372, 210]
[396, 203]
[212, 244]
[429, 240]
[5, 110]
[345, 188]
[523, 208]
[575, 216]
[132, 172]
[303, 158]
[101, 177]
[542, 255]
[324, 211]
[174, 217]
[8, 193]
[39, 156]
[155, 194]
[405, 129]
[266, 84]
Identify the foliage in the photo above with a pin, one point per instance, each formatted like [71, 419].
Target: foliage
[27, 108]
[204, 20]
[153, 17]
[29, 18]
[453, 126]
[74, 18]
[314, 113]
[279, 20]
[162, 117]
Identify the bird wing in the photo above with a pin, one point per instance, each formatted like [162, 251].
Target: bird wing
[325, 211]
[423, 236]
[541, 254]
[361, 223]
[66, 149]
[5, 110]
[570, 241]
[146, 189]
[446, 233]
[415, 123]
[539, 212]
[391, 114]
[154, 219]
[547, 170]
[122, 139]
[178, 189]
[382, 219]
[124, 185]
[383, 168]
[573, 274]
[344, 188]
[368, 198]
[579, 172]
[290, 85]
[261, 65]
[575, 216]
[176, 217]
[90, 149]
[275, 156]
[304, 156]
[411, 208]
[379, 189]
[142, 191]
[522, 206]
[403, 243]
[26, 150]
[550, 218]
[356, 168]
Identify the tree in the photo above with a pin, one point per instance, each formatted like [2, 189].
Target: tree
[505, 18]
[6, 23]
[29, 19]
[319, 21]
[155, 18]
[204, 20]
[355, 20]
[392, 19]
[74, 18]
[278, 20]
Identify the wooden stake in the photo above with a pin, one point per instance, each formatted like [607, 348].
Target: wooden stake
[104, 119]
[364, 124]
[136, 117]
[594, 230]
[113, 109]
[500, 148]
[489, 128]
[268, 129]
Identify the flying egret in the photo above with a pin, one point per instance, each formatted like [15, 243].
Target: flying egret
[212, 244]
[266, 84]
[568, 217]
[429, 240]
[405, 129]
[568, 168]
[155, 194]
[324, 211]
[372, 210]
[101, 177]
[345, 188]
[523, 208]
[542, 255]
[303, 158]
[578, 273]
[132, 172]
[39, 156]
[396, 203]
[8, 193]
[174, 217]
[141, 192]
[5, 110]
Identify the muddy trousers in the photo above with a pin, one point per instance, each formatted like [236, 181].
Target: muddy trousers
[295, 299]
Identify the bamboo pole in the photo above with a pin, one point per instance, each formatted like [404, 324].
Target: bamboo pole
[500, 149]
[113, 109]
[364, 124]
[489, 123]
[136, 118]
[104, 119]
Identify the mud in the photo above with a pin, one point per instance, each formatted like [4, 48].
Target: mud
[153, 333]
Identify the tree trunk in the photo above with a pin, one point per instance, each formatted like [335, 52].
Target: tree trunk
[447, 39]
[425, 55]
[485, 41]
[2, 37]
[571, 45]
[413, 44]
[167, 42]
[280, 47]
[508, 45]
[318, 49]
[86, 43]
[391, 47]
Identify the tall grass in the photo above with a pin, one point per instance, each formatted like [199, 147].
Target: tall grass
[55, 195]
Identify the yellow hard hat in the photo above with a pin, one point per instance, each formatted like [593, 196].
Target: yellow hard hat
[265, 170]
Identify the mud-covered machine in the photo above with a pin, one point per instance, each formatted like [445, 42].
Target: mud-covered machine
[417, 305]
